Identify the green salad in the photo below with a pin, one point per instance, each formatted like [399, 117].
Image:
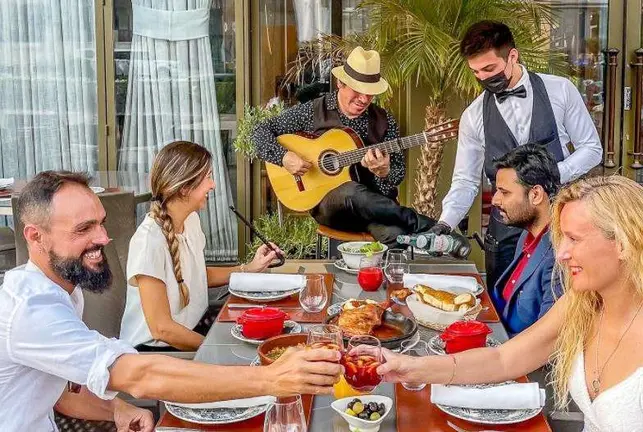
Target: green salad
[367, 249]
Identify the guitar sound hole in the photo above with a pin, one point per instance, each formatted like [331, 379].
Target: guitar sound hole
[329, 163]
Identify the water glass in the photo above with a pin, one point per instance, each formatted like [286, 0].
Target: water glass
[285, 415]
[325, 336]
[370, 275]
[314, 296]
[395, 266]
[419, 349]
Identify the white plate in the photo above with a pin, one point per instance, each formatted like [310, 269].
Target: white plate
[436, 345]
[97, 189]
[489, 416]
[341, 265]
[267, 296]
[215, 415]
[289, 327]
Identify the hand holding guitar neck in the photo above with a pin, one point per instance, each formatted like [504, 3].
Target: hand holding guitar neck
[280, 257]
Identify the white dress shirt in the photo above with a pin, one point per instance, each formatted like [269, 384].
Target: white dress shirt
[149, 255]
[43, 345]
[573, 122]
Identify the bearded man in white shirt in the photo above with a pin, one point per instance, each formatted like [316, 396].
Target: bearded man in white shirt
[516, 107]
[44, 345]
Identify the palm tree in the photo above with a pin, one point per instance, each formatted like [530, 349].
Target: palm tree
[419, 44]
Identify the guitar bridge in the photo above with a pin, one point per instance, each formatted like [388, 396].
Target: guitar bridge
[300, 183]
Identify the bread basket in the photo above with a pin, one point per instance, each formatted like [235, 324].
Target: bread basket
[437, 319]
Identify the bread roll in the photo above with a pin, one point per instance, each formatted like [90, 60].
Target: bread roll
[445, 300]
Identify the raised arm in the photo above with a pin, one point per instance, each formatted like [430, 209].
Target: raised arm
[483, 365]
[296, 119]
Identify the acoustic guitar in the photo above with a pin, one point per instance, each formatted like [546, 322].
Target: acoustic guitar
[331, 155]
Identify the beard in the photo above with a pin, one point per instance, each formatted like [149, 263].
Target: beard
[74, 271]
[521, 218]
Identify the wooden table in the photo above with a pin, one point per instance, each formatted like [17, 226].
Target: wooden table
[220, 347]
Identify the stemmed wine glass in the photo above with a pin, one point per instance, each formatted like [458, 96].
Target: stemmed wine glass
[325, 336]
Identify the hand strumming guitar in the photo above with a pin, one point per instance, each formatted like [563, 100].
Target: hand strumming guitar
[377, 162]
[294, 164]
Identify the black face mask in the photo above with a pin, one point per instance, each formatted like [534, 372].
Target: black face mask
[497, 83]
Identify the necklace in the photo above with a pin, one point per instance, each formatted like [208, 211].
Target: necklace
[596, 382]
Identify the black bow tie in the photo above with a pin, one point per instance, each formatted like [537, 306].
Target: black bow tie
[518, 92]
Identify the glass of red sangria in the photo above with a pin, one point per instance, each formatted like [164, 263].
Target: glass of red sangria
[370, 275]
[325, 336]
[360, 360]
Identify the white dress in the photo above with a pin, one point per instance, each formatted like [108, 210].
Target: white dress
[149, 255]
[617, 409]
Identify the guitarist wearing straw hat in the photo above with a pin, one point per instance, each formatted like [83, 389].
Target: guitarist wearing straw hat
[368, 203]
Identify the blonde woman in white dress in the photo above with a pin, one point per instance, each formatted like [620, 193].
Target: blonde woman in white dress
[592, 334]
[167, 293]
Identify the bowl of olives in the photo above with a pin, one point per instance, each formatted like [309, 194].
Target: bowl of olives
[365, 413]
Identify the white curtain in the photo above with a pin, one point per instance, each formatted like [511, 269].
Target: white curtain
[312, 17]
[48, 105]
[171, 96]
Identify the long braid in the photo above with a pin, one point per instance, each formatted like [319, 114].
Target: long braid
[160, 215]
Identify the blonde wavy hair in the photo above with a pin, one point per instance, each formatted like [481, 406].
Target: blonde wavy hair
[615, 205]
[177, 170]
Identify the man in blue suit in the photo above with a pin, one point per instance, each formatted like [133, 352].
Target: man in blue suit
[526, 181]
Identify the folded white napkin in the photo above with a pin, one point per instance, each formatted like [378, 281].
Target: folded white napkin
[235, 403]
[261, 282]
[6, 182]
[442, 282]
[509, 396]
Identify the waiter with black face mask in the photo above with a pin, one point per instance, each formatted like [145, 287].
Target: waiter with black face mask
[517, 107]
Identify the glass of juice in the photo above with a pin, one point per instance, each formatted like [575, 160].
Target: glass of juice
[370, 275]
[360, 360]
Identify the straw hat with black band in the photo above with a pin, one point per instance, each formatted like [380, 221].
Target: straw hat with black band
[361, 72]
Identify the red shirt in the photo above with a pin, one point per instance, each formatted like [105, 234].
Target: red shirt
[530, 245]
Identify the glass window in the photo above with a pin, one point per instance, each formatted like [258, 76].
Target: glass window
[48, 108]
[175, 80]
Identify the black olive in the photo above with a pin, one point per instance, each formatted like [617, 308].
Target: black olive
[350, 405]
[381, 411]
[372, 407]
[382, 407]
[363, 415]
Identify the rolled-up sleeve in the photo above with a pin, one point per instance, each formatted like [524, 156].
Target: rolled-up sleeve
[47, 335]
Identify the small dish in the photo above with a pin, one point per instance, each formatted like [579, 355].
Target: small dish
[289, 327]
[356, 424]
[341, 265]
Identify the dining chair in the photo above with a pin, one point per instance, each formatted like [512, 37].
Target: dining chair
[7, 249]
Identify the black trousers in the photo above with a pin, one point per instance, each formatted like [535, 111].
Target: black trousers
[354, 207]
[500, 247]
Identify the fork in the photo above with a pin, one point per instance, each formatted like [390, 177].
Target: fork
[459, 429]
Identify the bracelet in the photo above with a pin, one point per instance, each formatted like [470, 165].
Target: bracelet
[242, 268]
[455, 363]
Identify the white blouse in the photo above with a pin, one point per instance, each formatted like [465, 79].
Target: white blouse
[617, 409]
[149, 255]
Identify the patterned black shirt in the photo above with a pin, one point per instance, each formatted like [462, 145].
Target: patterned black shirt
[300, 119]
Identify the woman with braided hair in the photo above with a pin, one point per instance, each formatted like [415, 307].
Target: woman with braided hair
[167, 292]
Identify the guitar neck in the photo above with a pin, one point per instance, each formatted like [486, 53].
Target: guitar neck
[354, 156]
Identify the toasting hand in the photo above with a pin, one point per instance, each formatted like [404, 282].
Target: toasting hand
[377, 162]
[295, 165]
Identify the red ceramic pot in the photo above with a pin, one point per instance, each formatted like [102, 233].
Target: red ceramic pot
[262, 323]
[464, 335]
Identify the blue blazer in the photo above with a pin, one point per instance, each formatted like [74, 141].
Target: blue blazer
[533, 294]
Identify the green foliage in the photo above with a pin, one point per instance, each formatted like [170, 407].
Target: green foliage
[297, 237]
[418, 41]
[251, 117]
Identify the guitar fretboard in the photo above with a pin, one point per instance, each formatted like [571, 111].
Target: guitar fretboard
[354, 156]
